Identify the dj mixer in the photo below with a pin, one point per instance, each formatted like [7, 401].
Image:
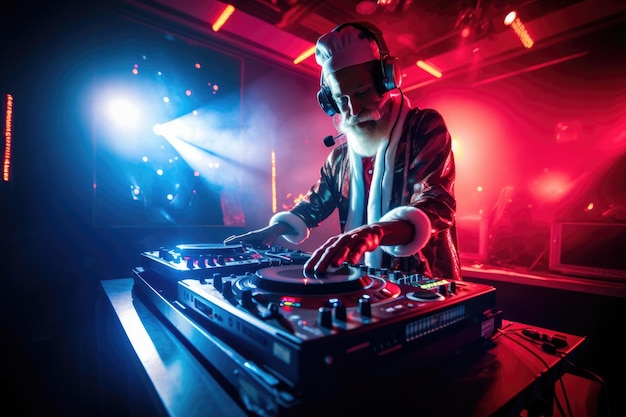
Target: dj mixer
[287, 334]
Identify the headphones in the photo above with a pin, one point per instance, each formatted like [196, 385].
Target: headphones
[390, 76]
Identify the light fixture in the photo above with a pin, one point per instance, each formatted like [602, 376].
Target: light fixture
[223, 17]
[366, 7]
[473, 23]
[8, 138]
[429, 68]
[465, 21]
[513, 20]
[304, 55]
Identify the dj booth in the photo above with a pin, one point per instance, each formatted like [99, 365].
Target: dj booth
[244, 333]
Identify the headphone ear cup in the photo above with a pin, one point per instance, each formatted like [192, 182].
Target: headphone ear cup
[392, 73]
[324, 97]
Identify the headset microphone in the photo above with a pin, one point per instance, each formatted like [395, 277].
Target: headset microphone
[330, 140]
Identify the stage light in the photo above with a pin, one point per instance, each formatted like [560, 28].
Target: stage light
[366, 7]
[513, 20]
[394, 5]
[510, 17]
[466, 32]
[304, 55]
[429, 69]
[124, 112]
[223, 17]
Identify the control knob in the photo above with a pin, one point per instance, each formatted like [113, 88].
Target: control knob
[339, 310]
[227, 289]
[246, 299]
[217, 281]
[442, 289]
[324, 317]
[365, 306]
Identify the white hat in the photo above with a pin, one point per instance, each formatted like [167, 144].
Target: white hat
[344, 48]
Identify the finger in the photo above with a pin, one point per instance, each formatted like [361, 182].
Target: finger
[230, 239]
[332, 258]
[355, 254]
[236, 239]
[337, 255]
[308, 269]
[310, 266]
[351, 247]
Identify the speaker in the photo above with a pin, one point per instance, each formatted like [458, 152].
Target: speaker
[390, 76]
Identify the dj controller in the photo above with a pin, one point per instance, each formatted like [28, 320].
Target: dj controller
[277, 336]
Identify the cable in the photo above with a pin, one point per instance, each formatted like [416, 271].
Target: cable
[520, 333]
[566, 397]
[596, 378]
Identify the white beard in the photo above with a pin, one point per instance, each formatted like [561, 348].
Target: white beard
[364, 144]
[366, 141]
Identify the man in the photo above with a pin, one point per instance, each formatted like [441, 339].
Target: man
[392, 180]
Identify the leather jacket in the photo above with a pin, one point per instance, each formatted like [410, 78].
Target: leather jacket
[427, 184]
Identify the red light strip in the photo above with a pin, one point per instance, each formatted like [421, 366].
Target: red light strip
[274, 204]
[8, 138]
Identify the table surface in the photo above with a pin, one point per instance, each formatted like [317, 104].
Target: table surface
[501, 380]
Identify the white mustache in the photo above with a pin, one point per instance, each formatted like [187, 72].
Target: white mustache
[371, 116]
